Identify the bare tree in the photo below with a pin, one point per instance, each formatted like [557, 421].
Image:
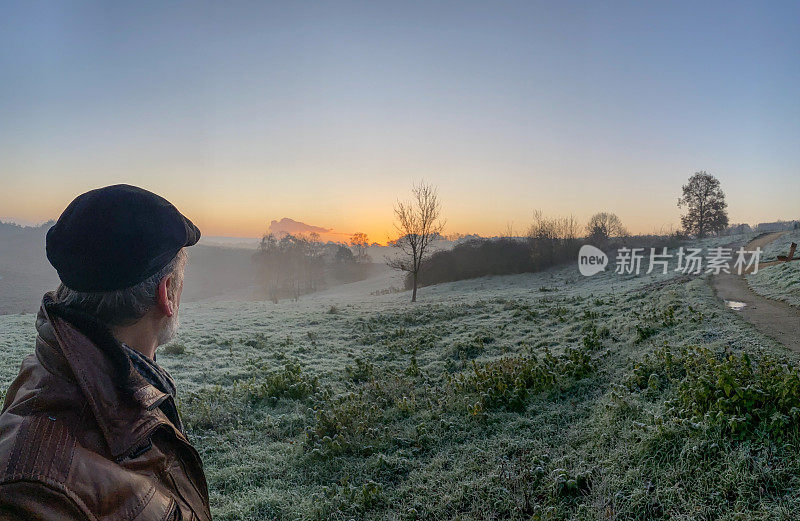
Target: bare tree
[604, 225]
[418, 223]
[359, 242]
[552, 240]
[706, 209]
[509, 231]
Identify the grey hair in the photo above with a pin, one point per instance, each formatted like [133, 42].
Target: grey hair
[126, 306]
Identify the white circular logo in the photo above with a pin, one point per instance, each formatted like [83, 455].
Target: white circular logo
[591, 260]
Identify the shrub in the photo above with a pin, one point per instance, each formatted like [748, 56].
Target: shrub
[731, 392]
[360, 422]
[174, 348]
[476, 258]
[653, 321]
[220, 408]
[594, 337]
[210, 408]
[290, 382]
[576, 363]
[738, 395]
[347, 499]
[362, 372]
[473, 346]
[504, 383]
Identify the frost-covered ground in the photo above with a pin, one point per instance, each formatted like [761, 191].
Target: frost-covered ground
[781, 281]
[535, 396]
[780, 246]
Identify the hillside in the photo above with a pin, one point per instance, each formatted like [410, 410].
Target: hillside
[533, 396]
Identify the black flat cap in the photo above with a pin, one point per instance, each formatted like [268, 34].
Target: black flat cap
[116, 237]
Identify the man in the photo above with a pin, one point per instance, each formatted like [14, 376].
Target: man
[89, 429]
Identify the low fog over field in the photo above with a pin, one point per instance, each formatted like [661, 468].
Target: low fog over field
[219, 268]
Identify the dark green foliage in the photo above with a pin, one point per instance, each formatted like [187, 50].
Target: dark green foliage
[645, 332]
[471, 347]
[290, 383]
[218, 408]
[362, 422]
[593, 340]
[738, 395]
[505, 383]
[654, 321]
[174, 348]
[362, 371]
[347, 498]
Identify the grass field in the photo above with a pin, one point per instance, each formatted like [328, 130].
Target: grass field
[781, 281]
[537, 396]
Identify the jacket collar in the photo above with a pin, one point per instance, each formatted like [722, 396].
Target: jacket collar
[126, 413]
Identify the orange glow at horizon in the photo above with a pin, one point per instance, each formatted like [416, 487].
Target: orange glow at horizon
[472, 204]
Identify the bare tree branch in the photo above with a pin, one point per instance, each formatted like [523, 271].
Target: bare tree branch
[418, 222]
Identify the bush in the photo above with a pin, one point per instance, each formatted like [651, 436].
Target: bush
[175, 348]
[505, 383]
[362, 372]
[347, 499]
[290, 383]
[741, 397]
[653, 321]
[472, 347]
[738, 395]
[360, 422]
[220, 408]
[476, 258]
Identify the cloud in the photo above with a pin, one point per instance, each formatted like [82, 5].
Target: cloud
[293, 227]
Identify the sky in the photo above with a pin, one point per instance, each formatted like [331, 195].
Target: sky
[327, 112]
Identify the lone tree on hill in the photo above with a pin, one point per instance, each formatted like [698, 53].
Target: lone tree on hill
[604, 225]
[418, 222]
[706, 209]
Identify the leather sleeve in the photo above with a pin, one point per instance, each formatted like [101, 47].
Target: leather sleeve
[36, 501]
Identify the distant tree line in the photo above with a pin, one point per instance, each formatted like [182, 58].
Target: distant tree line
[477, 258]
[293, 265]
[550, 241]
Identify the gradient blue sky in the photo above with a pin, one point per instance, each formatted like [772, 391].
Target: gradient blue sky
[243, 112]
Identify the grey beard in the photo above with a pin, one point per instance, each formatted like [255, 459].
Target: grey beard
[169, 331]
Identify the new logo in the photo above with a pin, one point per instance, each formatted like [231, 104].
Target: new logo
[591, 260]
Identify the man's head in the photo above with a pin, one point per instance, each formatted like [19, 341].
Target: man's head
[155, 300]
[119, 252]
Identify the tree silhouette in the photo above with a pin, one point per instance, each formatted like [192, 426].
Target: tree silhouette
[418, 223]
[604, 225]
[359, 242]
[706, 209]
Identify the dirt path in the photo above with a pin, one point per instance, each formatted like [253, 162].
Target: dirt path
[777, 320]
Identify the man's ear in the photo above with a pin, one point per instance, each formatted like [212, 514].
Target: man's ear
[165, 305]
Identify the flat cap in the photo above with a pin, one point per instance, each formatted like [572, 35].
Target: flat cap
[116, 237]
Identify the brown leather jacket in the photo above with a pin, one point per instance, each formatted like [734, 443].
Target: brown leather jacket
[74, 446]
